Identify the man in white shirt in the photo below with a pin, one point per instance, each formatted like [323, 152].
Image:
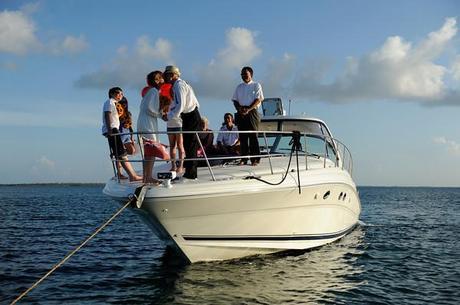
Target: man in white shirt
[110, 129]
[185, 106]
[246, 99]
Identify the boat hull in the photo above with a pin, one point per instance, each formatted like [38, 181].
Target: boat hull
[236, 224]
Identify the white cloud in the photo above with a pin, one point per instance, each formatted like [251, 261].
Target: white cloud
[452, 146]
[398, 70]
[240, 50]
[129, 68]
[74, 44]
[160, 51]
[43, 166]
[18, 35]
[277, 82]
[217, 79]
[45, 162]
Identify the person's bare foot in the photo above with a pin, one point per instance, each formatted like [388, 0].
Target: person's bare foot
[152, 181]
[135, 178]
[180, 170]
[122, 177]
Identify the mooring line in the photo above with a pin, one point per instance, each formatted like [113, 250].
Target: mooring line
[132, 197]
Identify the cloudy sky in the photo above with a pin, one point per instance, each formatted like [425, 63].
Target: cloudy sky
[384, 75]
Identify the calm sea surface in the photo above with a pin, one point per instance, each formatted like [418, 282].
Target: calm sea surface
[406, 251]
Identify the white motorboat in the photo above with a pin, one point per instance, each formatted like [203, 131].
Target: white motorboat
[300, 196]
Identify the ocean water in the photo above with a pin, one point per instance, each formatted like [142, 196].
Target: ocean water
[406, 251]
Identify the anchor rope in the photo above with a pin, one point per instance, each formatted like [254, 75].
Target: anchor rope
[131, 198]
[295, 147]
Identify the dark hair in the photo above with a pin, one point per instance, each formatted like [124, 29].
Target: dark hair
[124, 102]
[228, 114]
[249, 69]
[151, 77]
[114, 90]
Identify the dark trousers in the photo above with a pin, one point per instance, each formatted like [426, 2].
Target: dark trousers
[249, 144]
[117, 149]
[191, 122]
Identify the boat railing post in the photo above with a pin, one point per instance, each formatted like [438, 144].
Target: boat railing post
[116, 157]
[113, 162]
[325, 151]
[141, 148]
[306, 151]
[205, 157]
[268, 152]
[343, 157]
[351, 163]
[336, 151]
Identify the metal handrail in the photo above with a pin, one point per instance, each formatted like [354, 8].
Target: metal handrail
[340, 150]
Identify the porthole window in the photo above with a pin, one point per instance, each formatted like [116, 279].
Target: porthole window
[326, 195]
[340, 196]
[344, 196]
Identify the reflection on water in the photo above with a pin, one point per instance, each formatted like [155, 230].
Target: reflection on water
[316, 276]
[406, 253]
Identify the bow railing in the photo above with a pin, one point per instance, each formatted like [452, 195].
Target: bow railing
[273, 144]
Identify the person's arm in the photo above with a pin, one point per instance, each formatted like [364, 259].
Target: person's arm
[235, 101]
[220, 138]
[153, 103]
[237, 105]
[177, 105]
[254, 105]
[108, 122]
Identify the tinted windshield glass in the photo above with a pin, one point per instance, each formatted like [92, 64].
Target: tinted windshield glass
[268, 126]
[309, 127]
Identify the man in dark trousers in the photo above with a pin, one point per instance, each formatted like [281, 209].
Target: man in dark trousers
[185, 106]
[246, 99]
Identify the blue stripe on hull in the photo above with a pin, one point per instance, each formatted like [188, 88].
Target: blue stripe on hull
[269, 238]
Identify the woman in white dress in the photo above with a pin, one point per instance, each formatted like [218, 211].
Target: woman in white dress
[147, 121]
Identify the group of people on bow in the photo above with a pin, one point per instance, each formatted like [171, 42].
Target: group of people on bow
[170, 98]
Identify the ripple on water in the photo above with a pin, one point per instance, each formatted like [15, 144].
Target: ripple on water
[404, 252]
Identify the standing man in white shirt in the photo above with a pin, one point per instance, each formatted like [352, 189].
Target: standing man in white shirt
[246, 99]
[185, 106]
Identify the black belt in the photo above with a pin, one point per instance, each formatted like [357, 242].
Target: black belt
[189, 113]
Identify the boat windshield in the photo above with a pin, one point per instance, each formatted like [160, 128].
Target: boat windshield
[304, 126]
[318, 140]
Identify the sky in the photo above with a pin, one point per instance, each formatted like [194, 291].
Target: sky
[383, 75]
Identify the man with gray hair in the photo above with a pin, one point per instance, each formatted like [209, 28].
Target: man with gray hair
[185, 105]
